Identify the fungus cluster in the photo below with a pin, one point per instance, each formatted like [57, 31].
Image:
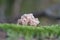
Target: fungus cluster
[28, 19]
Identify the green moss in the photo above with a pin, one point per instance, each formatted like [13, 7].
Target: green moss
[31, 29]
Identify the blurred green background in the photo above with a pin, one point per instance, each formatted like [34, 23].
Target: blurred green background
[12, 8]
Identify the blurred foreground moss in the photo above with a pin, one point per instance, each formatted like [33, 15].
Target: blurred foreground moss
[14, 31]
[53, 29]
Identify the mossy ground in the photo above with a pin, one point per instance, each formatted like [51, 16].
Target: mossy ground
[14, 30]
